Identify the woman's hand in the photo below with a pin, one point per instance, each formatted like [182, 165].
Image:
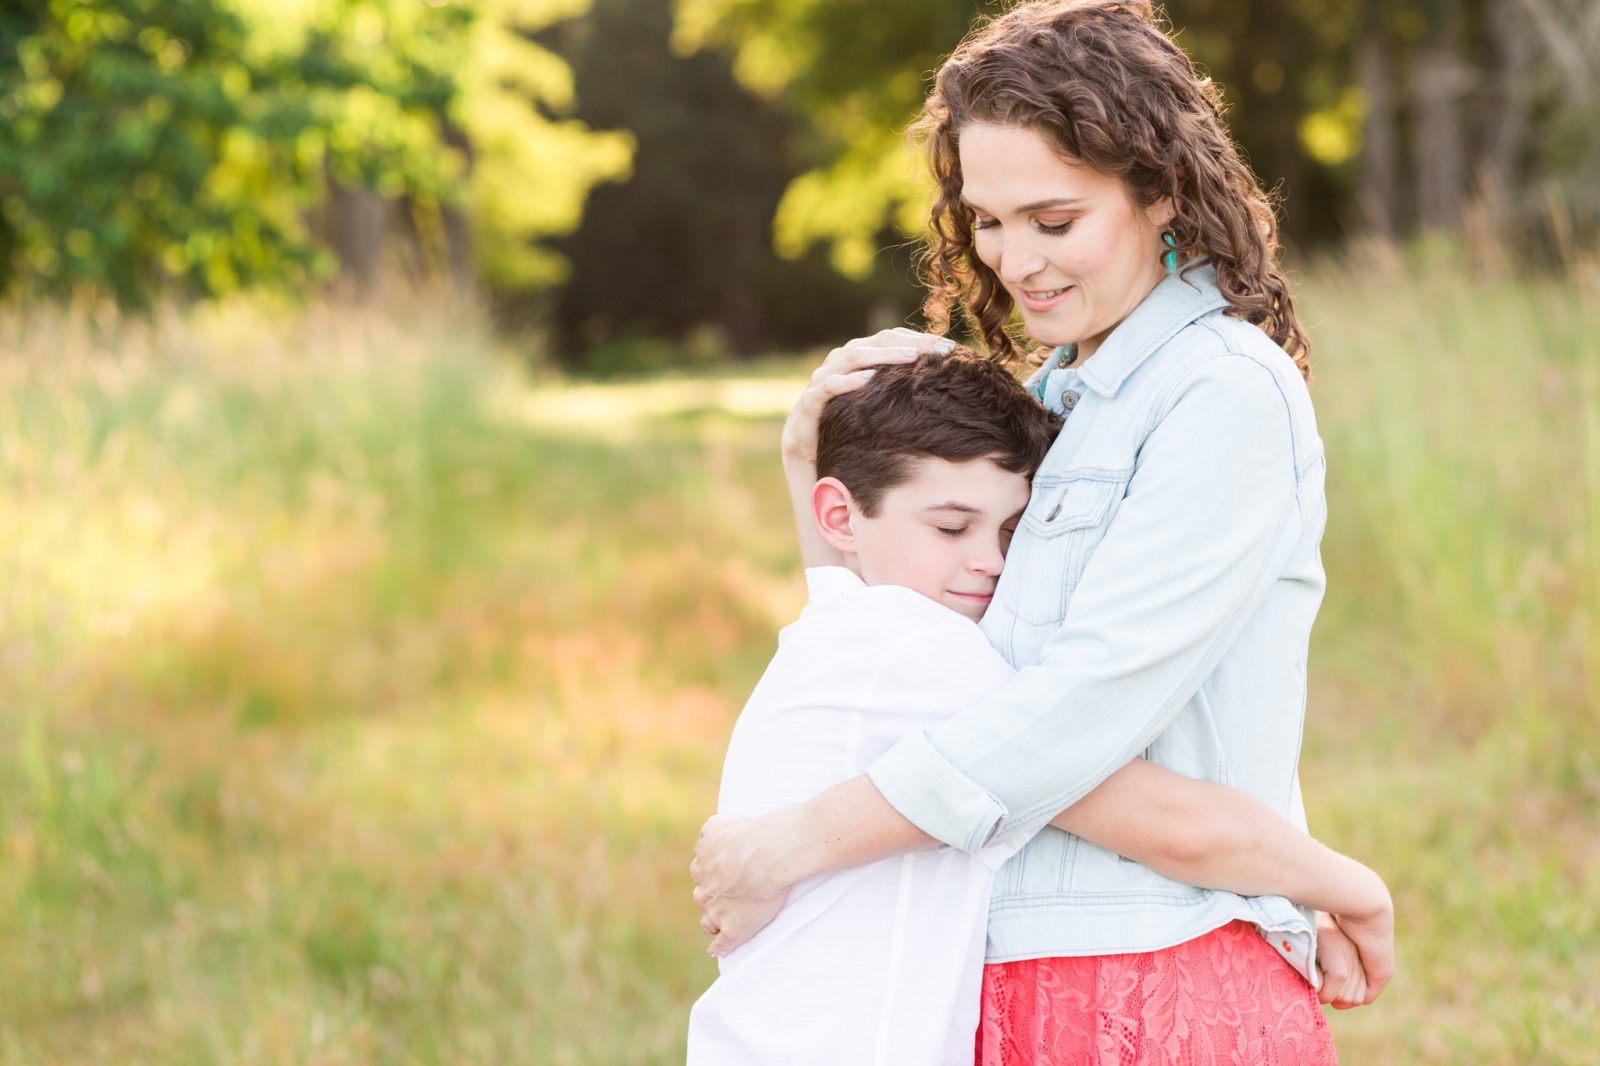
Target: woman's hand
[743, 868]
[844, 370]
[738, 878]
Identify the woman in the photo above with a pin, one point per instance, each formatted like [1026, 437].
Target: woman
[1159, 594]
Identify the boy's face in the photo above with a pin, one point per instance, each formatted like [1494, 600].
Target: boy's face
[943, 532]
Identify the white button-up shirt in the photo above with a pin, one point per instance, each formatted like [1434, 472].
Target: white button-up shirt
[881, 964]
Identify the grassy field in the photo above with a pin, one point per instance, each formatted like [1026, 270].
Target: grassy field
[360, 694]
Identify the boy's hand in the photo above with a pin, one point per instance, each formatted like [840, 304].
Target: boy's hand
[1372, 933]
[846, 369]
[1356, 956]
[1344, 982]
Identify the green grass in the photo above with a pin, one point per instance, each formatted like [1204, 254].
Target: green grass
[360, 693]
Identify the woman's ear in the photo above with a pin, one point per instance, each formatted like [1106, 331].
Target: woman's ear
[832, 507]
[1162, 212]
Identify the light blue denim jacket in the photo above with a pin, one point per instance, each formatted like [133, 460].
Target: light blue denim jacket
[1157, 600]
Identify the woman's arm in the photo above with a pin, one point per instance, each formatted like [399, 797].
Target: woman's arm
[1192, 831]
[743, 868]
[1214, 836]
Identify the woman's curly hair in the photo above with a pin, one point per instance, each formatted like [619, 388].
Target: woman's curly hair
[1106, 86]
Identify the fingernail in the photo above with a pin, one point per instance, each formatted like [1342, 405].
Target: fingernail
[945, 347]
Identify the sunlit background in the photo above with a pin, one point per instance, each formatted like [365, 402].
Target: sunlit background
[391, 526]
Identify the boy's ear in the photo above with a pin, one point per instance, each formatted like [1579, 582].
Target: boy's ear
[832, 506]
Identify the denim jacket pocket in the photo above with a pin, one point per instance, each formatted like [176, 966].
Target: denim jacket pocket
[1061, 526]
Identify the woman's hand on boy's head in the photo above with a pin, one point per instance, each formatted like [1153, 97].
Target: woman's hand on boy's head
[846, 369]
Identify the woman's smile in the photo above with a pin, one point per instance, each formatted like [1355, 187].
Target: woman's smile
[1040, 301]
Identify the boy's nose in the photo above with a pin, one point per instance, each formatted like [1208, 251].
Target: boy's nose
[989, 561]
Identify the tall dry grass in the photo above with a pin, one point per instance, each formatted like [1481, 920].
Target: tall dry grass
[359, 695]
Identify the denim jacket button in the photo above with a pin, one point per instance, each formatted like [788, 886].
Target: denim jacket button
[1069, 399]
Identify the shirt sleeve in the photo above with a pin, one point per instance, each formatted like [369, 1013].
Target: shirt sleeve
[1208, 523]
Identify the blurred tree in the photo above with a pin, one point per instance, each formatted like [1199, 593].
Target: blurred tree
[533, 160]
[137, 143]
[859, 74]
[189, 142]
[855, 73]
[685, 242]
[506, 165]
[1480, 118]
[1385, 117]
[1561, 103]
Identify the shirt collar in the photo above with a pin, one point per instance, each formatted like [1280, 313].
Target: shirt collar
[825, 581]
[1177, 301]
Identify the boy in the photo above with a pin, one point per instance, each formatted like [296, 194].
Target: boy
[922, 476]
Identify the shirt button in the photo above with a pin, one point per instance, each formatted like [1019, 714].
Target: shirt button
[1069, 399]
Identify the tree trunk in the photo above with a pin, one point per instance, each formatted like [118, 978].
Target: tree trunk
[1269, 102]
[1505, 110]
[357, 222]
[1378, 184]
[1438, 87]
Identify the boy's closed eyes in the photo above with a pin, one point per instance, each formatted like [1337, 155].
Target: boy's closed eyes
[942, 532]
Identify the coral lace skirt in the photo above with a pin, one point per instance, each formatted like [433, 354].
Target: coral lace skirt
[1222, 998]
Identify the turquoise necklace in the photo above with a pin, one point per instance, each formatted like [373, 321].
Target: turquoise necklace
[1069, 355]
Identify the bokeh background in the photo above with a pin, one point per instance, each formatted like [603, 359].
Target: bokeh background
[391, 524]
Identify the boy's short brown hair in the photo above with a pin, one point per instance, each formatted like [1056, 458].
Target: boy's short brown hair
[955, 407]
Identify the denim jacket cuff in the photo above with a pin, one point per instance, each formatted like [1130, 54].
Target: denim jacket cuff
[931, 793]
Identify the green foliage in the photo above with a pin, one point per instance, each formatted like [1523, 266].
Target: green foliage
[1296, 102]
[533, 164]
[859, 74]
[855, 72]
[681, 249]
[148, 144]
[138, 142]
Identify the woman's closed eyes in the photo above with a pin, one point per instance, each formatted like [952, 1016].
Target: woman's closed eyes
[1042, 227]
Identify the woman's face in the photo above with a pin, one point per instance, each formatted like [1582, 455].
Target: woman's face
[1071, 247]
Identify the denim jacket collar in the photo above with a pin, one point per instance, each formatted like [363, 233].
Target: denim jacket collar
[1177, 301]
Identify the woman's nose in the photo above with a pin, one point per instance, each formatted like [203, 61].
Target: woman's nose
[1019, 258]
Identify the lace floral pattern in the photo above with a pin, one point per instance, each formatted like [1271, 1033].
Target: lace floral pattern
[1219, 1000]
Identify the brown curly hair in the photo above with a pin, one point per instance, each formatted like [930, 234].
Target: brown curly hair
[1106, 86]
[955, 407]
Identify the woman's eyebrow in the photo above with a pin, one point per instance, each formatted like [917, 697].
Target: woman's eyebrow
[954, 505]
[1037, 205]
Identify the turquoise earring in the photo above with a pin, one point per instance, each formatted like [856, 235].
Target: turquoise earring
[1169, 258]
